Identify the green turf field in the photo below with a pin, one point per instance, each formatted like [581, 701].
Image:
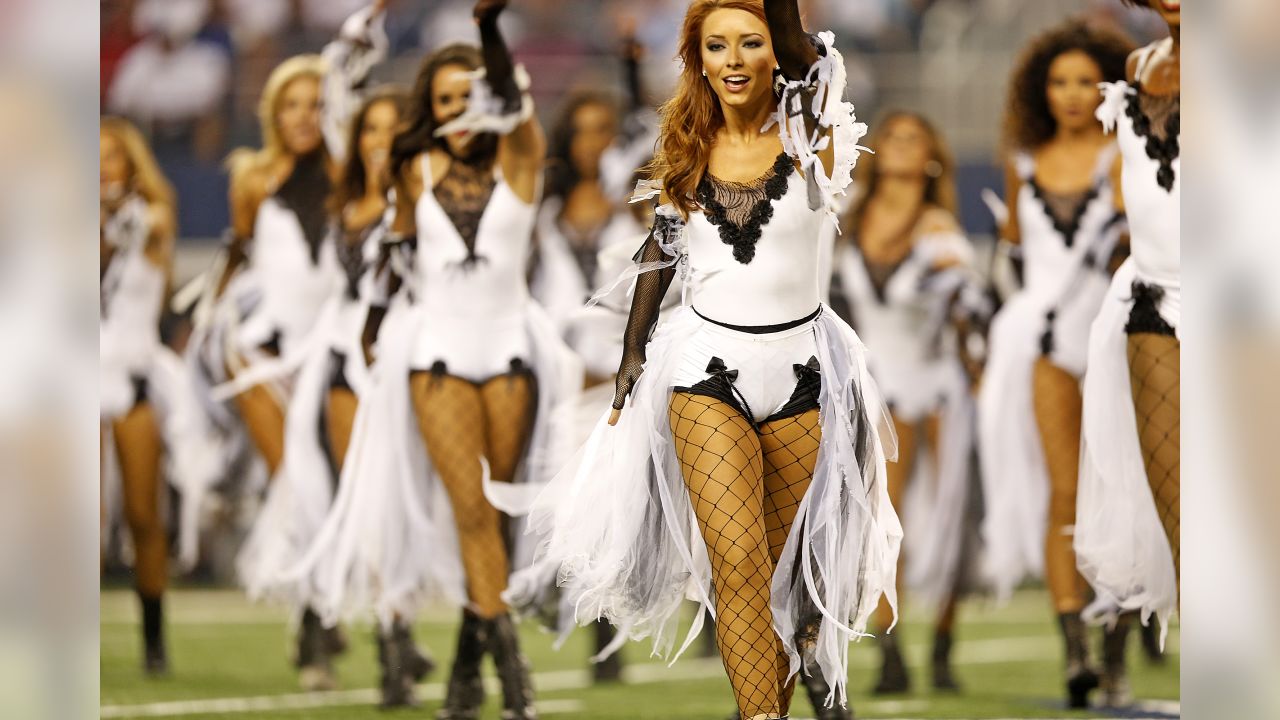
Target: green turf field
[229, 661]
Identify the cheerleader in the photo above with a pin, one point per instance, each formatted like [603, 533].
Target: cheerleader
[1065, 218]
[1127, 532]
[148, 405]
[281, 270]
[468, 369]
[747, 469]
[903, 265]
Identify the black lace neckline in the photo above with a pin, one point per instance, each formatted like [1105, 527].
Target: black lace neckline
[350, 249]
[1067, 224]
[464, 193]
[305, 193]
[1163, 150]
[741, 210]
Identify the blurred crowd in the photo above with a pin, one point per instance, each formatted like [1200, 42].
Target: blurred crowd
[189, 71]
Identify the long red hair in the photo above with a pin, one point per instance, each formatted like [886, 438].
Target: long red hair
[691, 118]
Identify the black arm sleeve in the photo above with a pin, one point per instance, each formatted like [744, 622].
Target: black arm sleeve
[792, 46]
[651, 287]
[498, 65]
[631, 52]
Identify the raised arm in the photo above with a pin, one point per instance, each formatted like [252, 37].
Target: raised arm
[361, 44]
[522, 150]
[791, 44]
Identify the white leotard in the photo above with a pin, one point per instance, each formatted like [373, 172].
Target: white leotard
[779, 285]
[474, 314]
[1067, 276]
[294, 285]
[132, 296]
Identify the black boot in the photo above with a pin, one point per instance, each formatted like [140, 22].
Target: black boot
[943, 679]
[893, 670]
[1151, 642]
[609, 669]
[465, 693]
[402, 667]
[817, 688]
[418, 664]
[314, 663]
[1082, 678]
[1115, 678]
[513, 670]
[155, 660]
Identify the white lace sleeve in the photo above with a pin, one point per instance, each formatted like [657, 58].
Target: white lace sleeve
[823, 87]
[1115, 97]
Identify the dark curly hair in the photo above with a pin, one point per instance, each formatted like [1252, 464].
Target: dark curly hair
[1028, 123]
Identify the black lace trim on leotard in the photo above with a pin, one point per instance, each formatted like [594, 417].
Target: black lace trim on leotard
[464, 193]
[1145, 316]
[1162, 144]
[350, 249]
[305, 193]
[1066, 211]
[741, 210]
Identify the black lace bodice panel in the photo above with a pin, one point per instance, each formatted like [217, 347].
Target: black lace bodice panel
[464, 193]
[741, 210]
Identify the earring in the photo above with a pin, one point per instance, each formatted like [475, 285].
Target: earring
[704, 73]
[933, 169]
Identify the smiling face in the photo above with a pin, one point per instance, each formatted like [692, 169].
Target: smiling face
[905, 149]
[298, 115]
[1072, 90]
[737, 55]
[450, 92]
[376, 134]
[113, 168]
[1170, 11]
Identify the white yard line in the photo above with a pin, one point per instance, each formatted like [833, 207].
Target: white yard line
[974, 652]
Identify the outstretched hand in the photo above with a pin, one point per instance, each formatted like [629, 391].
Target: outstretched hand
[488, 9]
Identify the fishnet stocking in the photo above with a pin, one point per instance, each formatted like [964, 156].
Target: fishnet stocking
[1058, 408]
[340, 417]
[1155, 369]
[460, 422]
[721, 459]
[138, 444]
[790, 448]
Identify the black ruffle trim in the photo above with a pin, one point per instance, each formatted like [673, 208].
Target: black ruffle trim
[743, 238]
[1145, 316]
[1070, 228]
[1162, 151]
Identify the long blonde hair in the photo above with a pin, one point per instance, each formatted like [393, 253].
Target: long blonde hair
[691, 118]
[298, 66]
[939, 189]
[144, 173]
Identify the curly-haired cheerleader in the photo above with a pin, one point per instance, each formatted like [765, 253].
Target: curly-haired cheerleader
[1065, 219]
[1128, 513]
[747, 469]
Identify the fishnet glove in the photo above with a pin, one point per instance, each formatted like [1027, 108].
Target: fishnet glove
[651, 287]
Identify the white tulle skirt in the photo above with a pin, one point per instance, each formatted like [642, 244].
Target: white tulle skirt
[195, 454]
[389, 544]
[1120, 544]
[936, 502]
[618, 533]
